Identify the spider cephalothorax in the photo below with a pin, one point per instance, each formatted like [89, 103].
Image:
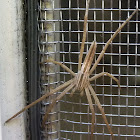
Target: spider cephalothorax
[82, 79]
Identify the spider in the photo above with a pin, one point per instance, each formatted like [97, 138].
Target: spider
[82, 79]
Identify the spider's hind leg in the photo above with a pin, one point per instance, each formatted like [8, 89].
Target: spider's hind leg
[101, 109]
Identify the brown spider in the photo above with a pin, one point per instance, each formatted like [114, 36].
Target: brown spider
[82, 79]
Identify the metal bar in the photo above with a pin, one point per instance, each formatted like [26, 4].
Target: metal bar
[33, 68]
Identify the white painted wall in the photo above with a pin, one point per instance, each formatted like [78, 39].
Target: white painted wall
[12, 69]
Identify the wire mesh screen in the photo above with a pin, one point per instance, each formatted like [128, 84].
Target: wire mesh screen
[60, 27]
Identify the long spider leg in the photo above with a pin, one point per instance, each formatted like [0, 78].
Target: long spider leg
[41, 98]
[107, 74]
[109, 41]
[100, 108]
[62, 65]
[54, 102]
[84, 35]
[92, 111]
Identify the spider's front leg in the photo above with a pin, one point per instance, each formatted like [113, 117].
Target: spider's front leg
[109, 41]
[84, 35]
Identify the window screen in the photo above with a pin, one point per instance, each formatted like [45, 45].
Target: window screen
[60, 29]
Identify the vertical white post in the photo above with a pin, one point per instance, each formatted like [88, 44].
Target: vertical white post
[12, 69]
[0, 126]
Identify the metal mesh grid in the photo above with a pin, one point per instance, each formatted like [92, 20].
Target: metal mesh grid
[60, 27]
